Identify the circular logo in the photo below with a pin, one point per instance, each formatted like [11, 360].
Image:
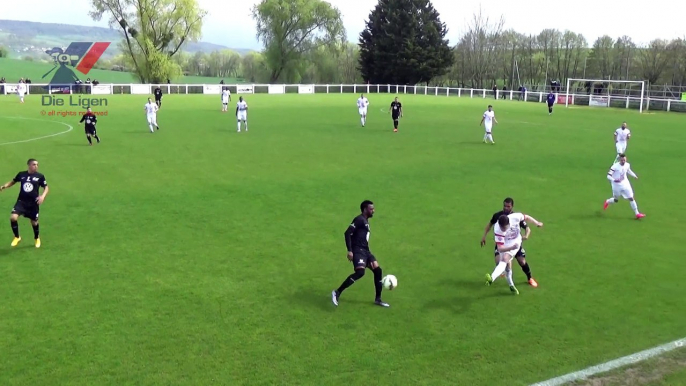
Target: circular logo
[28, 187]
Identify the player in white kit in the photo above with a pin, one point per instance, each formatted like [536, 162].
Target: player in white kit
[621, 187]
[226, 98]
[21, 90]
[622, 136]
[151, 113]
[508, 240]
[242, 113]
[362, 104]
[487, 120]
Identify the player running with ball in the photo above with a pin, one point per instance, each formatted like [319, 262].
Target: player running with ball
[508, 240]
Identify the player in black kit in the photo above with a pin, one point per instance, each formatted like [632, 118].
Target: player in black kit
[89, 120]
[158, 97]
[508, 204]
[396, 111]
[29, 199]
[357, 241]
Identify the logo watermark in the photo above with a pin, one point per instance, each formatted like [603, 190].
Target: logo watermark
[73, 100]
[79, 55]
[72, 113]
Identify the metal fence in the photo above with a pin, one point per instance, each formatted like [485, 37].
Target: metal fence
[626, 101]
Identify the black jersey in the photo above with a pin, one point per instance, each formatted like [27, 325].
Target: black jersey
[89, 120]
[158, 93]
[497, 215]
[29, 186]
[357, 234]
[396, 108]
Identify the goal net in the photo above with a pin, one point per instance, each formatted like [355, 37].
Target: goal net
[629, 94]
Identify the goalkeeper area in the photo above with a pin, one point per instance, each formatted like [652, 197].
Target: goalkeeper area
[198, 256]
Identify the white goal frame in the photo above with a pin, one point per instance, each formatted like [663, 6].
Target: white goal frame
[641, 98]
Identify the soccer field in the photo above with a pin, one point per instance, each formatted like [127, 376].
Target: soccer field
[199, 256]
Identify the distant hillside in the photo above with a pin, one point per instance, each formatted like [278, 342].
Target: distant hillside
[26, 38]
[13, 69]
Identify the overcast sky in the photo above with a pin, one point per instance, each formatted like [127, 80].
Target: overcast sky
[229, 22]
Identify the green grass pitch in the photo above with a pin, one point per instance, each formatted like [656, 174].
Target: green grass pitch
[199, 256]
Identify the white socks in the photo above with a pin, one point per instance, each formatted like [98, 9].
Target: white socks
[490, 138]
[362, 120]
[499, 269]
[151, 129]
[634, 206]
[509, 277]
[239, 126]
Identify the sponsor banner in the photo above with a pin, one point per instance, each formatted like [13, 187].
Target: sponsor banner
[277, 89]
[305, 89]
[243, 89]
[598, 101]
[60, 89]
[212, 89]
[140, 89]
[101, 89]
[561, 99]
[11, 88]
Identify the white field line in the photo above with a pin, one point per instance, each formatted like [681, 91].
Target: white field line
[614, 364]
[43, 137]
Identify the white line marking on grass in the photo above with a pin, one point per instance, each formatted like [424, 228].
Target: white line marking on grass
[614, 364]
[43, 137]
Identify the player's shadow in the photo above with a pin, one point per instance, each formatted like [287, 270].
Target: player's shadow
[476, 143]
[315, 298]
[599, 215]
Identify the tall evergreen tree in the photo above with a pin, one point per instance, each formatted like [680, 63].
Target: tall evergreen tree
[404, 43]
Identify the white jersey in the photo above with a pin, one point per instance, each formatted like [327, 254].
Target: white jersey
[513, 235]
[21, 88]
[242, 106]
[225, 96]
[619, 172]
[362, 103]
[488, 118]
[151, 108]
[622, 135]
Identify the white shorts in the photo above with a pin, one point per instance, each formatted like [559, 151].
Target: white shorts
[242, 116]
[621, 147]
[21, 94]
[488, 127]
[363, 111]
[152, 119]
[508, 256]
[225, 101]
[622, 190]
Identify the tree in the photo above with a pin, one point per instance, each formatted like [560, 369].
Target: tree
[654, 60]
[154, 31]
[404, 43]
[291, 29]
[4, 53]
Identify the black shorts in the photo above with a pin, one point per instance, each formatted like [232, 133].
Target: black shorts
[90, 130]
[520, 253]
[363, 259]
[396, 117]
[26, 209]
[158, 98]
[551, 104]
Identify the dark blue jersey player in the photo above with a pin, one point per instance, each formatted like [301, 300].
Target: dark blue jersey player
[551, 102]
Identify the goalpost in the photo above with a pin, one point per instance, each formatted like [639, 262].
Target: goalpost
[600, 92]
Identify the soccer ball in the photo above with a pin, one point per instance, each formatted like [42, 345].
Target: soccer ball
[389, 282]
